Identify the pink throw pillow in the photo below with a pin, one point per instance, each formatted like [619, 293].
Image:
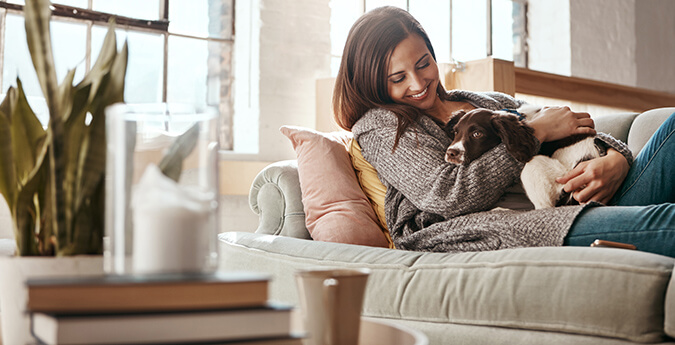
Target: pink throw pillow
[336, 209]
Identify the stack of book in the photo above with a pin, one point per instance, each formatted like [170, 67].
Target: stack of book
[222, 308]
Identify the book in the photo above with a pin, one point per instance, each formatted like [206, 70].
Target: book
[205, 326]
[295, 339]
[147, 293]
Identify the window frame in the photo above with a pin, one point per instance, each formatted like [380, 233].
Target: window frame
[160, 26]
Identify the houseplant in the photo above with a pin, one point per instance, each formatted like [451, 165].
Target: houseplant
[53, 178]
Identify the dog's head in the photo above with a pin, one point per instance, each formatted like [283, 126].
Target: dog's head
[475, 132]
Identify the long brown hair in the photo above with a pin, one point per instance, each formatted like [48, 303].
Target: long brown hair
[361, 82]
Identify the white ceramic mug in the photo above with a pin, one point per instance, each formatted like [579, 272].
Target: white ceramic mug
[331, 302]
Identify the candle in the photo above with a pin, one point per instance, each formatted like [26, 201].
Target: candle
[173, 224]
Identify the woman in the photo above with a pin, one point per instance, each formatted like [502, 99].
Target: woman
[388, 94]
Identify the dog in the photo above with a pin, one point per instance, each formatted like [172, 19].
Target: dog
[475, 132]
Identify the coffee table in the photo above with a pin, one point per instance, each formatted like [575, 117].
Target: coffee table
[375, 332]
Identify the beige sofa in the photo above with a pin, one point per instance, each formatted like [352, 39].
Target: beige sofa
[558, 295]
[561, 295]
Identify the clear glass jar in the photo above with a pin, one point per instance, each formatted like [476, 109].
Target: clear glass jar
[161, 189]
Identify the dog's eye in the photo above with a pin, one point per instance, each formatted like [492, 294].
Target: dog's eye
[476, 134]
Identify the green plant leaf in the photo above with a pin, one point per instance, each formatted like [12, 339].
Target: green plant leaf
[172, 162]
[28, 136]
[103, 63]
[92, 169]
[28, 217]
[37, 14]
[8, 185]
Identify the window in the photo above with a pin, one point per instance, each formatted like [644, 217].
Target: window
[179, 50]
[458, 29]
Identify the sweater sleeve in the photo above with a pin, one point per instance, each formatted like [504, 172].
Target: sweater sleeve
[417, 169]
[616, 144]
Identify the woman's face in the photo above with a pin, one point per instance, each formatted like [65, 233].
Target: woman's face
[412, 78]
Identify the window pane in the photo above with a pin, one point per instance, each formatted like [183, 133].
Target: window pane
[204, 18]
[502, 29]
[69, 42]
[143, 83]
[17, 58]
[434, 15]
[145, 9]
[469, 30]
[370, 4]
[343, 14]
[187, 74]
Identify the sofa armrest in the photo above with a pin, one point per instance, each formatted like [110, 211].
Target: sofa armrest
[276, 198]
[644, 126]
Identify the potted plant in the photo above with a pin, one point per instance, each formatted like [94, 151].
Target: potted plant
[53, 179]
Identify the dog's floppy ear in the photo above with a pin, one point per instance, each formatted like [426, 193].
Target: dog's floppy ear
[517, 136]
[449, 127]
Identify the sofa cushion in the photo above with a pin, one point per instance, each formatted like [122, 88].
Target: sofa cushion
[336, 208]
[605, 292]
[370, 184]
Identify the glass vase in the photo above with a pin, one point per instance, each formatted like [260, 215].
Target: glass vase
[161, 189]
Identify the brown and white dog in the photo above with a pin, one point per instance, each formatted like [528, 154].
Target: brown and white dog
[475, 132]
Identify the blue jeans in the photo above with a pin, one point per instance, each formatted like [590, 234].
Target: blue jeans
[643, 209]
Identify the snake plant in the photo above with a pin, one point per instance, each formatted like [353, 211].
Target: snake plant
[53, 178]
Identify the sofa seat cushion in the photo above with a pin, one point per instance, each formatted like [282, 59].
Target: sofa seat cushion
[591, 291]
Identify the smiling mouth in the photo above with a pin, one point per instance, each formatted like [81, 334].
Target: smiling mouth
[421, 94]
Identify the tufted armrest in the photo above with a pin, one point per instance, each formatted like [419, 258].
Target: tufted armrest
[276, 198]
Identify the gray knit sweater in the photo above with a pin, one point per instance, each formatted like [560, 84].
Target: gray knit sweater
[432, 205]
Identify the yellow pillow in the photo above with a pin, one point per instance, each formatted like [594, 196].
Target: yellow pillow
[371, 185]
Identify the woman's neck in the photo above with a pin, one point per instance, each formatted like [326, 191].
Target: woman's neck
[443, 110]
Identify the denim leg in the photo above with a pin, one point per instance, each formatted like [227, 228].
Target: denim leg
[650, 228]
[651, 179]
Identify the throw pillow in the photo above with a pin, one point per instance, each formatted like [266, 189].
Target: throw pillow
[371, 185]
[336, 209]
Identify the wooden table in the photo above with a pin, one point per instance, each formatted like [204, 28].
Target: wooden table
[375, 332]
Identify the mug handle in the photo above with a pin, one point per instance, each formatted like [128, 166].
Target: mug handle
[330, 287]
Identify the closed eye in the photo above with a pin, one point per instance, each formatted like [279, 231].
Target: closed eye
[397, 80]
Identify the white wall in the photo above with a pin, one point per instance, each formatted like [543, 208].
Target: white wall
[603, 40]
[288, 42]
[655, 48]
[548, 26]
[294, 52]
[629, 42]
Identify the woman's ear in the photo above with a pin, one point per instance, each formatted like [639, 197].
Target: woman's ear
[517, 136]
[449, 127]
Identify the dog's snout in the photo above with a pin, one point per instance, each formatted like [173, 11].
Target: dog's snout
[453, 155]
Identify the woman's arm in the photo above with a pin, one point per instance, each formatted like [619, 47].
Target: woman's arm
[600, 177]
[417, 168]
[597, 179]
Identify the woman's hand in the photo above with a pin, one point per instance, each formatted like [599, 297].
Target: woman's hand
[553, 123]
[597, 179]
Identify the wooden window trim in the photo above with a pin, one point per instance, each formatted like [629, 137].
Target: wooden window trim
[65, 11]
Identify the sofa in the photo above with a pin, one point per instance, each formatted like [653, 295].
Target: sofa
[544, 295]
